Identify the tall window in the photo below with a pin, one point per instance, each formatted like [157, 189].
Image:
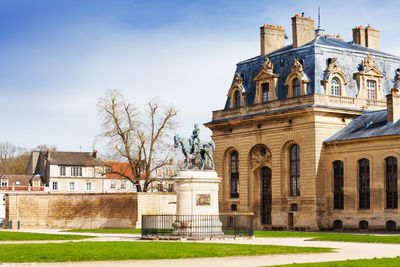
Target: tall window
[237, 99]
[391, 183]
[364, 192]
[335, 87]
[296, 87]
[265, 92]
[76, 171]
[234, 174]
[338, 184]
[295, 170]
[371, 89]
[72, 186]
[62, 171]
[54, 185]
[89, 186]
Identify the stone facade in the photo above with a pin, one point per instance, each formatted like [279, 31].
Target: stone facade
[278, 152]
[88, 211]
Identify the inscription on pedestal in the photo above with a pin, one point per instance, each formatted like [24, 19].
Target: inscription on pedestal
[202, 199]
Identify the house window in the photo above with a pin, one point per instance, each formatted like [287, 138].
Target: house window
[391, 183]
[364, 192]
[338, 185]
[89, 186]
[335, 86]
[4, 182]
[54, 185]
[112, 186]
[72, 186]
[62, 171]
[237, 99]
[76, 171]
[36, 183]
[123, 185]
[294, 171]
[371, 89]
[265, 92]
[234, 169]
[296, 87]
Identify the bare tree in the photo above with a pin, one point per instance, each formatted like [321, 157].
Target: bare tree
[139, 139]
[13, 159]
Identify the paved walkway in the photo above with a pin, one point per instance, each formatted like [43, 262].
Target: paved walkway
[344, 251]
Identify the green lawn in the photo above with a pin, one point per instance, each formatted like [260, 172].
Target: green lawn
[15, 236]
[387, 262]
[120, 231]
[102, 251]
[363, 238]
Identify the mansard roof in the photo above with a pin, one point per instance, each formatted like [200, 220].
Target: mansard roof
[369, 124]
[314, 57]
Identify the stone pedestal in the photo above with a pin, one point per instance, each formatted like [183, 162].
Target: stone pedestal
[197, 203]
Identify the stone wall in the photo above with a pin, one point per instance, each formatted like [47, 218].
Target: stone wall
[85, 211]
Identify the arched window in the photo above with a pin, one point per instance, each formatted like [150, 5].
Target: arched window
[234, 169]
[265, 92]
[391, 183]
[296, 87]
[364, 192]
[363, 225]
[371, 89]
[391, 225]
[294, 170]
[335, 86]
[338, 184]
[337, 224]
[237, 99]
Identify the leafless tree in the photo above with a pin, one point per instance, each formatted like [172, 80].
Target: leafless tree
[12, 159]
[141, 139]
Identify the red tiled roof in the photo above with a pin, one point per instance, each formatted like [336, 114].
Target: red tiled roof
[121, 167]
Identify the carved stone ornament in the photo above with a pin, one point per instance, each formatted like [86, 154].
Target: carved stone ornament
[297, 67]
[333, 66]
[267, 66]
[369, 62]
[260, 155]
[238, 80]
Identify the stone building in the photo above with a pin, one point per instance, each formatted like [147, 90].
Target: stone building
[309, 136]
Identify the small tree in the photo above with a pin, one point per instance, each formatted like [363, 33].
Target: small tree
[138, 140]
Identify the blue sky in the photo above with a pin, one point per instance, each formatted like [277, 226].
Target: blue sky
[58, 57]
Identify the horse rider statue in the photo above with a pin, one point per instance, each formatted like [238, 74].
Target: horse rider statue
[194, 140]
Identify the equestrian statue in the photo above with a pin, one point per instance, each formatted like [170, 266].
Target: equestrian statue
[198, 155]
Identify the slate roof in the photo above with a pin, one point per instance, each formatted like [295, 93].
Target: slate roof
[13, 178]
[74, 158]
[369, 124]
[314, 56]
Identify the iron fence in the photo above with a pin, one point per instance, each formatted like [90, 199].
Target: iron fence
[197, 226]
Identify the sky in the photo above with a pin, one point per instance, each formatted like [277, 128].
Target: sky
[57, 58]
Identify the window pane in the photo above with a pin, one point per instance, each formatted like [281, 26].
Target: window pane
[391, 183]
[296, 87]
[294, 162]
[335, 88]
[364, 190]
[338, 185]
[265, 92]
[234, 169]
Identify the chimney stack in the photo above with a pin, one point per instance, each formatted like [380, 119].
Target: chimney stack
[367, 36]
[393, 106]
[272, 38]
[303, 30]
[94, 154]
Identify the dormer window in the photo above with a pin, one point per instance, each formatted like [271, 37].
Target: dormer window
[237, 99]
[335, 86]
[335, 81]
[265, 92]
[371, 89]
[296, 87]
[4, 182]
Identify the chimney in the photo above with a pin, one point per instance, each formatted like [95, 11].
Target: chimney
[303, 30]
[367, 36]
[48, 153]
[272, 38]
[94, 154]
[393, 106]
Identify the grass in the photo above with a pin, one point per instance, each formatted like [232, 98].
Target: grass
[17, 236]
[117, 231]
[362, 238]
[352, 263]
[103, 251]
